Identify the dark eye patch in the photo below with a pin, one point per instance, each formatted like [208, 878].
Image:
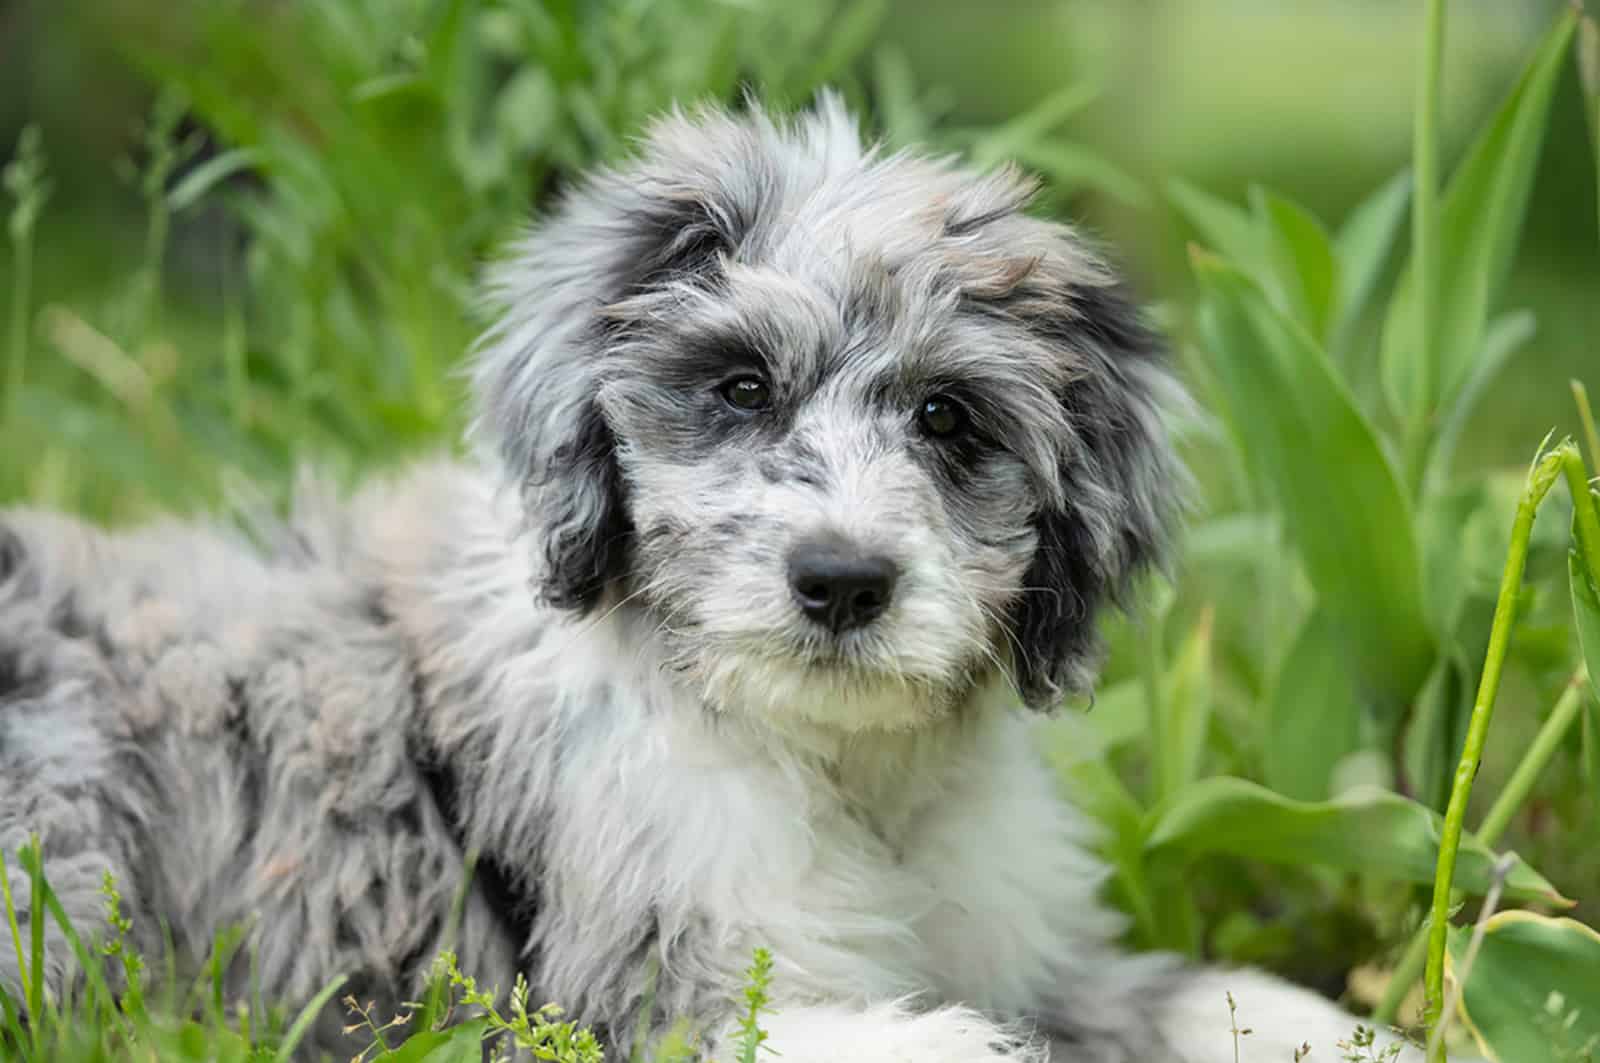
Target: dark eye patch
[703, 363]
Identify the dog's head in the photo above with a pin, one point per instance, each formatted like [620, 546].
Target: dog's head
[854, 430]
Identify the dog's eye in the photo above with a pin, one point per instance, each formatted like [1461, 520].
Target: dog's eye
[942, 417]
[748, 393]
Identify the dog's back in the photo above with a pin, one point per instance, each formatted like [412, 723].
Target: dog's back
[228, 729]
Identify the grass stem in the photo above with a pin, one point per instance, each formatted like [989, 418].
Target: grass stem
[1546, 470]
[21, 301]
[1511, 798]
[1552, 733]
[1425, 236]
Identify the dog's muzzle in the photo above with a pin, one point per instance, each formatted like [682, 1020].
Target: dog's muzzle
[840, 586]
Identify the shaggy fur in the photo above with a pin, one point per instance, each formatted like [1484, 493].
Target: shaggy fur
[661, 760]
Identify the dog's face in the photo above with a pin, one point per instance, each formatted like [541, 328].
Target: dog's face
[854, 432]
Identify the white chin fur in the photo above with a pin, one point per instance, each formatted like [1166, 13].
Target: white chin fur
[784, 692]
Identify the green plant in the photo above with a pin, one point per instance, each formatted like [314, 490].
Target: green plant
[29, 189]
[114, 1011]
[540, 1032]
[1395, 610]
[758, 980]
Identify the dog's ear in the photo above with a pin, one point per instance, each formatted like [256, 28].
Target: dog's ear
[564, 300]
[1119, 485]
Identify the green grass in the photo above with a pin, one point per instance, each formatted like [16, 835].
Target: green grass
[294, 284]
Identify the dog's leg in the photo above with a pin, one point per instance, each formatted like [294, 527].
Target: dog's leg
[1194, 1018]
[888, 1033]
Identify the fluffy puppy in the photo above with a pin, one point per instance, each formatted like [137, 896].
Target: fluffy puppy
[800, 470]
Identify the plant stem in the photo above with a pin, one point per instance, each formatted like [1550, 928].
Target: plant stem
[21, 299]
[1545, 471]
[1516, 790]
[1152, 659]
[1562, 716]
[1589, 79]
[1425, 235]
[1491, 901]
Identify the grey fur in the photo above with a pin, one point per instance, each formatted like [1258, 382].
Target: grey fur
[660, 756]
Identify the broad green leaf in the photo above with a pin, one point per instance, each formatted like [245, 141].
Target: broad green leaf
[463, 1041]
[1506, 335]
[1115, 718]
[1362, 246]
[1225, 228]
[1313, 714]
[1235, 539]
[1445, 523]
[1305, 272]
[1314, 451]
[1373, 831]
[1532, 994]
[1186, 705]
[1481, 219]
[1074, 749]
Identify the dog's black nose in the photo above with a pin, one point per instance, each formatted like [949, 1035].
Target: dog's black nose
[840, 587]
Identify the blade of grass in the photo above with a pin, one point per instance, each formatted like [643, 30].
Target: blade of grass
[1480, 220]
[1591, 436]
[11, 921]
[1547, 468]
[1425, 235]
[1362, 246]
[35, 869]
[1585, 511]
[10, 1023]
[303, 1021]
[100, 1002]
[1589, 77]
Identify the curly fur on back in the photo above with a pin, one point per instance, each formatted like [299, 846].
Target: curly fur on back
[576, 654]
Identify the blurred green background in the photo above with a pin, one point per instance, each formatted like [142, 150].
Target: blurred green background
[1310, 97]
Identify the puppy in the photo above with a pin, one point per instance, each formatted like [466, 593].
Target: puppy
[800, 470]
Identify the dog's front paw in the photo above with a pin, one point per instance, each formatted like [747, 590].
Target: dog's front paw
[1269, 1022]
[892, 1033]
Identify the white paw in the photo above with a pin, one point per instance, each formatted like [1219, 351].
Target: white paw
[891, 1033]
[1281, 1019]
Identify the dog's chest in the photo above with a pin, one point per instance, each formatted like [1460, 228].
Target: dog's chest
[869, 875]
